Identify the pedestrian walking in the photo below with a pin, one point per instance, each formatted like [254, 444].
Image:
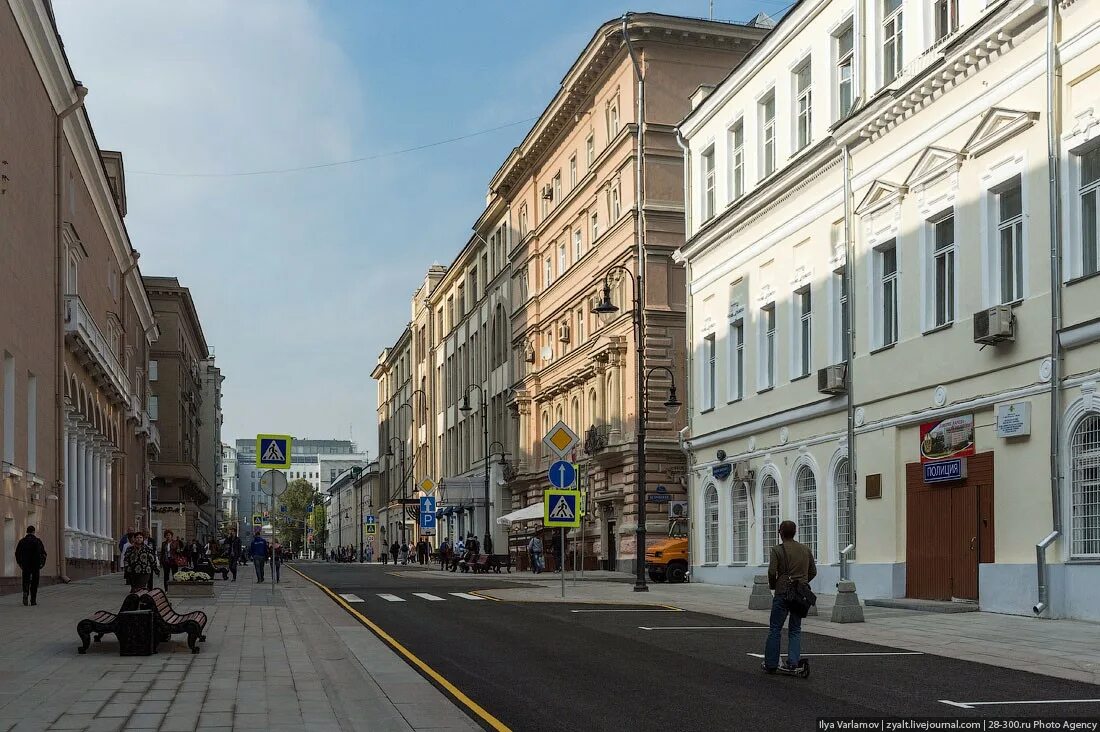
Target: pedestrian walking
[458, 553]
[123, 545]
[277, 556]
[233, 550]
[791, 563]
[257, 551]
[30, 555]
[534, 550]
[142, 562]
[404, 551]
[171, 556]
[370, 552]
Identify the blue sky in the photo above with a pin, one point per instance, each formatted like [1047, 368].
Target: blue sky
[301, 278]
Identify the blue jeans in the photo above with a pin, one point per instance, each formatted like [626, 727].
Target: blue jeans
[259, 565]
[794, 635]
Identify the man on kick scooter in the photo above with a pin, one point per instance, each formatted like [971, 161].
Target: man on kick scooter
[789, 572]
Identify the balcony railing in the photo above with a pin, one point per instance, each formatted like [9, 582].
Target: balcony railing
[596, 439]
[154, 437]
[95, 351]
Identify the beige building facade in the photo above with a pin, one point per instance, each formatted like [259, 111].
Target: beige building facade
[77, 323]
[879, 170]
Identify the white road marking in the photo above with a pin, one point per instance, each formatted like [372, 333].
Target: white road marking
[705, 627]
[466, 596]
[426, 596]
[877, 653]
[392, 598]
[971, 705]
[654, 610]
[352, 598]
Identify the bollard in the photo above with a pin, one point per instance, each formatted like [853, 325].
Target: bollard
[761, 597]
[847, 608]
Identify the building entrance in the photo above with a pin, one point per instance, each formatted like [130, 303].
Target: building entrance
[612, 547]
[949, 531]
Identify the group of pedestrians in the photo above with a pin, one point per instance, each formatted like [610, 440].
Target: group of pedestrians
[459, 554]
[536, 553]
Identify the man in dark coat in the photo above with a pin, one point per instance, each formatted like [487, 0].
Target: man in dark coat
[234, 550]
[30, 555]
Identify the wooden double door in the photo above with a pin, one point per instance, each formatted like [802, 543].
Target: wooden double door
[949, 531]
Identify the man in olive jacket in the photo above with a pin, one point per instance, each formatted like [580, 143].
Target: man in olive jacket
[790, 560]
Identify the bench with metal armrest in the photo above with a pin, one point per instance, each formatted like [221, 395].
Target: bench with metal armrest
[168, 622]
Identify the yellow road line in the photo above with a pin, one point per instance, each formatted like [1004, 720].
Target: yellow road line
[451, 689]
[481, 593]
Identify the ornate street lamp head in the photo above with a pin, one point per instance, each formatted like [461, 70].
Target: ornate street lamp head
[605, 306]
[466, 408]
[672, 404]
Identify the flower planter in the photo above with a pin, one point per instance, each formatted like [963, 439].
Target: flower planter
[191, 589]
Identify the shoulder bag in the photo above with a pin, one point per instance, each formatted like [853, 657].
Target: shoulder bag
[798, 596]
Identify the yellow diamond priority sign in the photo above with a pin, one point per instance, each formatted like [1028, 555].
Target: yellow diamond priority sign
[427, 485]
[560, 439]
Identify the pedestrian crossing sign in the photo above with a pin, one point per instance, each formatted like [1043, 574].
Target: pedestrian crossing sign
[371, 529]
[273, 451]
[561, 508]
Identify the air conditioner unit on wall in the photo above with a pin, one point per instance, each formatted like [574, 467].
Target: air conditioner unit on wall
[830, 380]
[563, 333]
[994, 325]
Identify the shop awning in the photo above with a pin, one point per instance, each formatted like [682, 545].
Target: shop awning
[532, 512]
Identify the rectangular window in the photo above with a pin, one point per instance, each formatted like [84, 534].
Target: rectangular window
[9, 409]
[548, 274]
[708, 183]
[737, 360]
[153, 371]
[947, 18]
[840, 340]
[805, 325]
[32, 423]
[1090, 211]
[563, 258]
[803, 105]
[1010, 238]
[708, 372]
[595, 226]
[612, 120]
[737, 160]
[590, 151]
[578, 245]
[556, 188]
[892, 20]
[845, 66]
[888, 293]
[572, 171]
[523, 220]
[580, 326]
[767, 347]
[767, 137]
[153, 407]
[943, 267]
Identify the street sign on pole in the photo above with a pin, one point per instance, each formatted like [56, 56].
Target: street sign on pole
[273, 451]
[560, 439]
[562, 474]
[371, 520]
[427, 485]
[561, 508]
[427, 515]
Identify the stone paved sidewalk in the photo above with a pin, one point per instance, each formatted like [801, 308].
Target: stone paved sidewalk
[1067, 649]
[282, 659]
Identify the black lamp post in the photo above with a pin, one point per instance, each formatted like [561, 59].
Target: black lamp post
[401, 477]
[487, 545]
[606, 307]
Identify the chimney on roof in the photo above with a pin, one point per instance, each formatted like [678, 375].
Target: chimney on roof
[700, 94]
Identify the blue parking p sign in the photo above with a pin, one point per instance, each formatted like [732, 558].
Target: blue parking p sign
[427, 514]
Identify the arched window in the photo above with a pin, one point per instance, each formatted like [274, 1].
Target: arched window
[740, 522]
[769, 510]
[806, 486]
[1085, 498]
[845, 507]
[710, 525]
[577, 425]
[592, 415]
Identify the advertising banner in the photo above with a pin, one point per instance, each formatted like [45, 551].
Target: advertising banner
[952, 437]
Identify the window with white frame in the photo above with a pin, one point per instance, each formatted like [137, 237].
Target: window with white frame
[767, 346]
[580, 326]
[153, 407]
[892, 20]
[1088, 193]
[612, 119]
[572, 171]
[523, 220]
[803, 105]
[806, 488]
[767, 135]
[709, 194]
[737, 160]
[153, 370]
[769, 514]
[594, 224]
[548, 272]
[1010, 242]
[578, 245]
[804, 339]
[845, 506]
[942, 231]
[71, 276]
[710, 525]
[563, 258]
[946, 18]
[555, 187]
[590, 150]
[707, 380]
[737, 360]
[844, 42]
[840, 316]
[1085, 490]
[739, 519]
[614, 204]
[886, 293]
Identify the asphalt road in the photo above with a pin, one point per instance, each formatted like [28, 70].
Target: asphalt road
[573, 666]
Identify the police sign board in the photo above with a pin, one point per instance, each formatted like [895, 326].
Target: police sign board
[273, 451]
[427, 515]
[943, 471]
[561, 508]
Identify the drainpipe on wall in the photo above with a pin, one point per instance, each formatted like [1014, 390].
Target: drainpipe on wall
[1053, 78]
[59, 380]
[689, 362]
[850, 336]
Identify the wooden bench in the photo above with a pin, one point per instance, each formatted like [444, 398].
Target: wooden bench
[168, 622]
[101, 623]
[501, 560]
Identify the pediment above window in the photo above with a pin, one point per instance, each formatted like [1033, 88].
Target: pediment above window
[934, 164]
[996, 126]
[880, 195]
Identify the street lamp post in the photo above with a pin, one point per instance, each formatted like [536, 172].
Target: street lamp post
[606, 307]
[401, 477]
[466, 409]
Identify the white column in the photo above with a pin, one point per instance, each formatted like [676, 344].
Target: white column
[108, 527]
[97, 496]
[89, 484]
[67, 475]
[81, 481]
[101, 504]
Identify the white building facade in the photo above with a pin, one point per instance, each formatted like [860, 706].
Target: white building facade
[873, 180]
[229, 496]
